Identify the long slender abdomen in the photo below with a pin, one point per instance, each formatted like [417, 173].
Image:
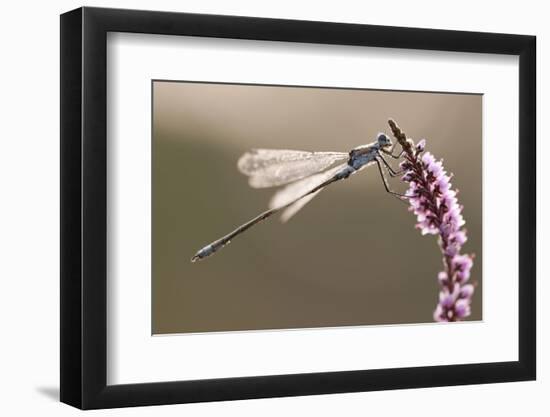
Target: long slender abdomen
[208, 250]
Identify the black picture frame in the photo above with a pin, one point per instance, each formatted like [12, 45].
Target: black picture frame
[84, 207]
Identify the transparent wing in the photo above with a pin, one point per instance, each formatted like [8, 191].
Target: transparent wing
[296, 207]
[293, 191]
[273, 167]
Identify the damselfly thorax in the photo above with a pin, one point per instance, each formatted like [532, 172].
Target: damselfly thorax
[304, 175]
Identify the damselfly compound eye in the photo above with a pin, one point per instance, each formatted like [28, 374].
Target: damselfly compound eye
[383, 140]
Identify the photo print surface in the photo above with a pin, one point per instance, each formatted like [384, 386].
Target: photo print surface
[336, 249]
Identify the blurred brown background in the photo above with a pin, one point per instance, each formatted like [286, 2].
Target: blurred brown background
[351, 257]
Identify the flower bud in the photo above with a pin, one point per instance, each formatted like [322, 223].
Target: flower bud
[462, 308]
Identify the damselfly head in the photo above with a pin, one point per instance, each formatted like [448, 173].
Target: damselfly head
[383, 140]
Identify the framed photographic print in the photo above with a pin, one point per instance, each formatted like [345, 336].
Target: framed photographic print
[377, 186]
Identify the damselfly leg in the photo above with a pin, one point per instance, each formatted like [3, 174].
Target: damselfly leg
[391, 171]
[390, 152]
[387, 186]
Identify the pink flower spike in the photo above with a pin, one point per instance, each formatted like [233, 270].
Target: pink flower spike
[435, 205]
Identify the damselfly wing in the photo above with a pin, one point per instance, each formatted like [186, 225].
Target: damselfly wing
[274, 167]
[295, 190]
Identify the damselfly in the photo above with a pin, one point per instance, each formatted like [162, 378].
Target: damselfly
[305, 175]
